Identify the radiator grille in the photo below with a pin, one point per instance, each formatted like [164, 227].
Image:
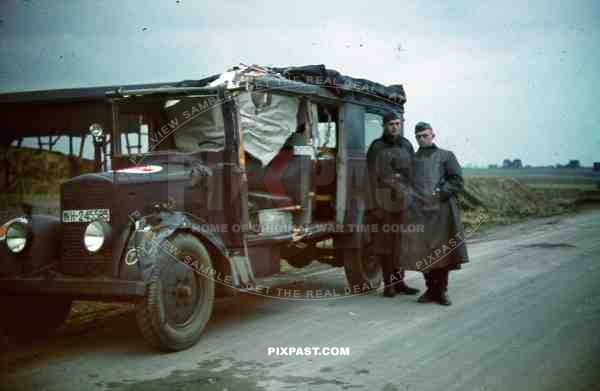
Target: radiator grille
[76, 260]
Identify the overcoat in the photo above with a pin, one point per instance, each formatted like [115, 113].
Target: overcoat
[389, 163]
[436, 237]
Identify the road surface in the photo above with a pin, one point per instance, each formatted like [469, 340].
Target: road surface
[526, 316]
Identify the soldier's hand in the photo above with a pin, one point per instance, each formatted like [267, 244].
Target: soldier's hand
[444, 195]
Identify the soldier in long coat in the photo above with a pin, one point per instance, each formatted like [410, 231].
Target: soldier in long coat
[389, 161]
[439, 245]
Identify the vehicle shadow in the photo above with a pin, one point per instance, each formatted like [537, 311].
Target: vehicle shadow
[114, 329]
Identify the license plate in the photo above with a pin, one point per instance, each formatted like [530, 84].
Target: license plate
[85, 215]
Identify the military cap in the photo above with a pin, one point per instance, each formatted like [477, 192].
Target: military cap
[390, 116]
[421, 126]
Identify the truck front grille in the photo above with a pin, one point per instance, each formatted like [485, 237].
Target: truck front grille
[76, 260]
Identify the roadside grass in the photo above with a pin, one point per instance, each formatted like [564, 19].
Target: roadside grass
[561, 186]
[508, 200]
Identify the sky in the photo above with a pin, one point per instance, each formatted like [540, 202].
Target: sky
[495, 79]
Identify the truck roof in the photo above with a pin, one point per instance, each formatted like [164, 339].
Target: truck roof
[319, 76]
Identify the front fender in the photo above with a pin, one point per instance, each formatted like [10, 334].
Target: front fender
[42, 251]
[147, 243]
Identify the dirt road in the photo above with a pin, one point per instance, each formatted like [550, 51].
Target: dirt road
[526, 316]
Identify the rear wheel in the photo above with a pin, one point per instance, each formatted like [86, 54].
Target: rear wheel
[179, 299]
[299, 261]
[362, 268]
[28, 317]
[355, 250]
[299, 257]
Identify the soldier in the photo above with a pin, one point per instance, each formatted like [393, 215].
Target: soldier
[439, 246]
[389, 161]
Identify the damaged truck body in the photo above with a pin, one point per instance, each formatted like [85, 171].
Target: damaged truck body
[200, 189]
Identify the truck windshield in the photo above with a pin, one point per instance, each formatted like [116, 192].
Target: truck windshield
[189, 124]
[197, 125]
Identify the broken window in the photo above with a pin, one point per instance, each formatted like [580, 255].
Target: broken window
[373, 128]
[327, 128]
[135, 141]
[196, 124]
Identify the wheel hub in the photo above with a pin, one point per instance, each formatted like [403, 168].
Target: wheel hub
[181, 293]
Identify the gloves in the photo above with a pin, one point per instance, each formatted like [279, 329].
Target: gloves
[442, 194]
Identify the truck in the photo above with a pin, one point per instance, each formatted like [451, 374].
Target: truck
[199, 189]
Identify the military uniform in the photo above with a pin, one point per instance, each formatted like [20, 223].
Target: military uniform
[441, 246]
[390, 172]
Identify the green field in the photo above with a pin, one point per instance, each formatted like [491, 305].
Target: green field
[538, 176]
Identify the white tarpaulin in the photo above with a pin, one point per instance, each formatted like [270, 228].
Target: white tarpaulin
[267, 120]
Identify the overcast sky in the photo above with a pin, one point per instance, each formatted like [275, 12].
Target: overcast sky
[495, 80]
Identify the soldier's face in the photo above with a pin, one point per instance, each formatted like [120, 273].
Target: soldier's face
[425, 138]
[394, 128]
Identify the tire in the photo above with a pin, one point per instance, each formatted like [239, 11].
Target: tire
[31, 317]
[355, 251]
[299, 261]
[179, 299]
[361, 268]
[298, 257]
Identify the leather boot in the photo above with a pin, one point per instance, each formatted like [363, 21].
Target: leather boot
[389, 291]
[401, 286]
[442, 282]
[443, 299]
[429, 296]
[386, 269]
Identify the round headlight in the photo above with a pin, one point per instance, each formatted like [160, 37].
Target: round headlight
[16, 237]
[94, 236]
[96, 130]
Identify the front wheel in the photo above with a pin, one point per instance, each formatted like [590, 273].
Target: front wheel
[179, 299]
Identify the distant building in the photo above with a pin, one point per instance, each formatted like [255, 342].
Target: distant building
[571, 164]
[516, 163]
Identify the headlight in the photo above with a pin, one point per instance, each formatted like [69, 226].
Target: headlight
[96, 131]
[95, 236]
[17, 234]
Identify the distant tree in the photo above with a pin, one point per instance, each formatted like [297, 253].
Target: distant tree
[492, 166]
[506, 163]
[517, 163]
[574, 164]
